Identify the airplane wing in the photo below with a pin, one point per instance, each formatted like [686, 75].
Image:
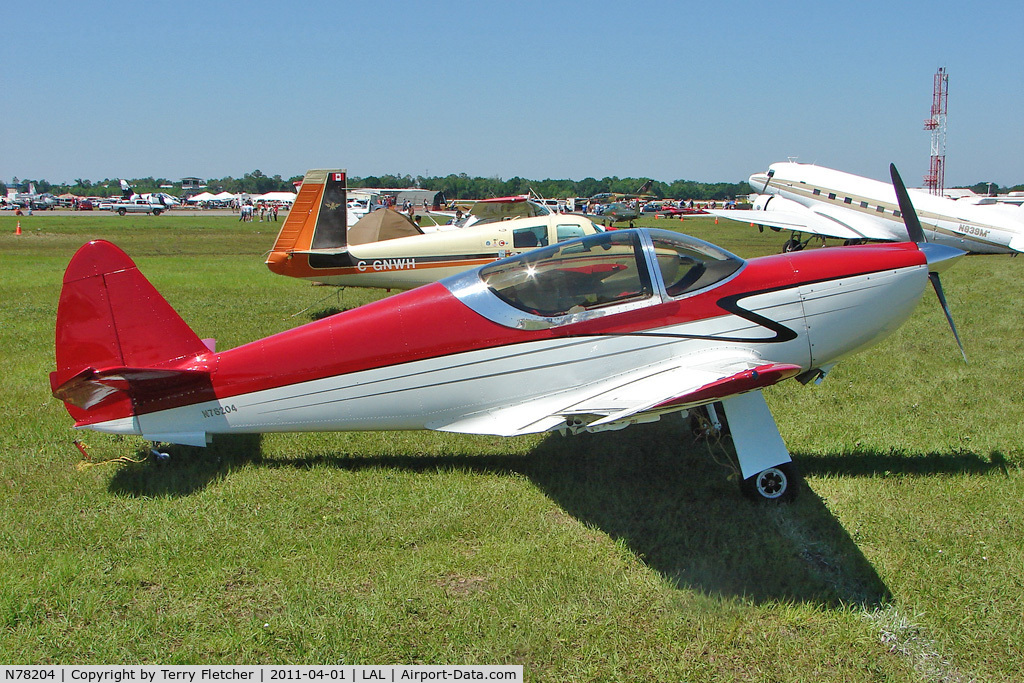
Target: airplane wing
[841, 223]
[633, 397]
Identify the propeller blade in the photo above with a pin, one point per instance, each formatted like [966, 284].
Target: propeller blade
[937, 286]
[914, 229]
[939, 257]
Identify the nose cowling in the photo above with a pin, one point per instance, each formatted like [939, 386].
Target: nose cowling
[758, 181]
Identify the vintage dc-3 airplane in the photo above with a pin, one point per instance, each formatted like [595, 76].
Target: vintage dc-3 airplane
[592, 334]
[316, 243]
[804, 198]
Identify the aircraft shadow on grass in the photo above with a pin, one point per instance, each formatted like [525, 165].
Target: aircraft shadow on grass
[652, 487]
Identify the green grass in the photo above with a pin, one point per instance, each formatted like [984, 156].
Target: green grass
[619, 556]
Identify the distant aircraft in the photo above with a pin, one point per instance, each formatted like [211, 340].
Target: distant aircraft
[593, 334]
[384, 249]
[616, 207]
[31, 199]
[162, 198]
[804, 198]
[617, 212]
[611, 197]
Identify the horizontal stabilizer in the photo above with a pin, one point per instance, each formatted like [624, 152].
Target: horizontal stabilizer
[91, 387]
[321, 252]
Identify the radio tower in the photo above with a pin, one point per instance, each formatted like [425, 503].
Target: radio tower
[935, 181]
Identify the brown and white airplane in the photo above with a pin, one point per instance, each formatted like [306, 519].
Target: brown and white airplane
[385, 249]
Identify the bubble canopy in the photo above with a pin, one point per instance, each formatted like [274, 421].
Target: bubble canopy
[596, 275]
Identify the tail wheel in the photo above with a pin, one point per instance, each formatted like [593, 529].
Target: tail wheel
[778, 484]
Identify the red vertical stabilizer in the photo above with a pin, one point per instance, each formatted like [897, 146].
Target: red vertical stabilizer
[117, 338]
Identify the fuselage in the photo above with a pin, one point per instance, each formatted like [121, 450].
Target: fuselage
[455, 350]
[981, 229]
[409, 262]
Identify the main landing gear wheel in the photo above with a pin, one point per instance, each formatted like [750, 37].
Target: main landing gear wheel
[778, 484]
[792, 245]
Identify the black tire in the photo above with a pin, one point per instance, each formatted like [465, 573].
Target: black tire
[156, 212]
[122, 211]
[791, 245]
[778, 484]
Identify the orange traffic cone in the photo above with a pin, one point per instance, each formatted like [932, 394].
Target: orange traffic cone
[17, 230]
[716, 220]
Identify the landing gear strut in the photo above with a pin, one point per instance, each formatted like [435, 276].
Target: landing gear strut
[795, 243]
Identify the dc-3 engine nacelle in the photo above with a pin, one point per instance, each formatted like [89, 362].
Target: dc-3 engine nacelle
[773, 202]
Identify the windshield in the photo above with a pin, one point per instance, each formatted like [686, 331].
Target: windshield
[606, 269]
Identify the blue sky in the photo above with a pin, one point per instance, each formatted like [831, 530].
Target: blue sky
[667, 90]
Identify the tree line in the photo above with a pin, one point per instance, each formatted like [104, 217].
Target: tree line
[453, 186]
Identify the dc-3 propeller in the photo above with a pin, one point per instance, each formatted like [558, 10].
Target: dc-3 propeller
[939, 256]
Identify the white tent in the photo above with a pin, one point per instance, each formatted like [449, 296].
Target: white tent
[225, 196]
[286, 197]
[202, 197]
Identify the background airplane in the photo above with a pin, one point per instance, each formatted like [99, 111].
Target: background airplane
[804, 198]
[387, 250]
[611, 197]
[592, 334]
[615, 212]
[157, 198]
[614, 207]
[30, 199]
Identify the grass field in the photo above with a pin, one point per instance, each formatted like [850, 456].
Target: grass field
[619, 556]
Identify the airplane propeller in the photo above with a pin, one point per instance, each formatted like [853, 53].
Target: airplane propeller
[939, 256]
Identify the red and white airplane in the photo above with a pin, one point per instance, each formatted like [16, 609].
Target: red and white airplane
[592, 334]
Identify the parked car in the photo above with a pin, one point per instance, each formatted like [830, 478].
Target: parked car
[138, 206]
